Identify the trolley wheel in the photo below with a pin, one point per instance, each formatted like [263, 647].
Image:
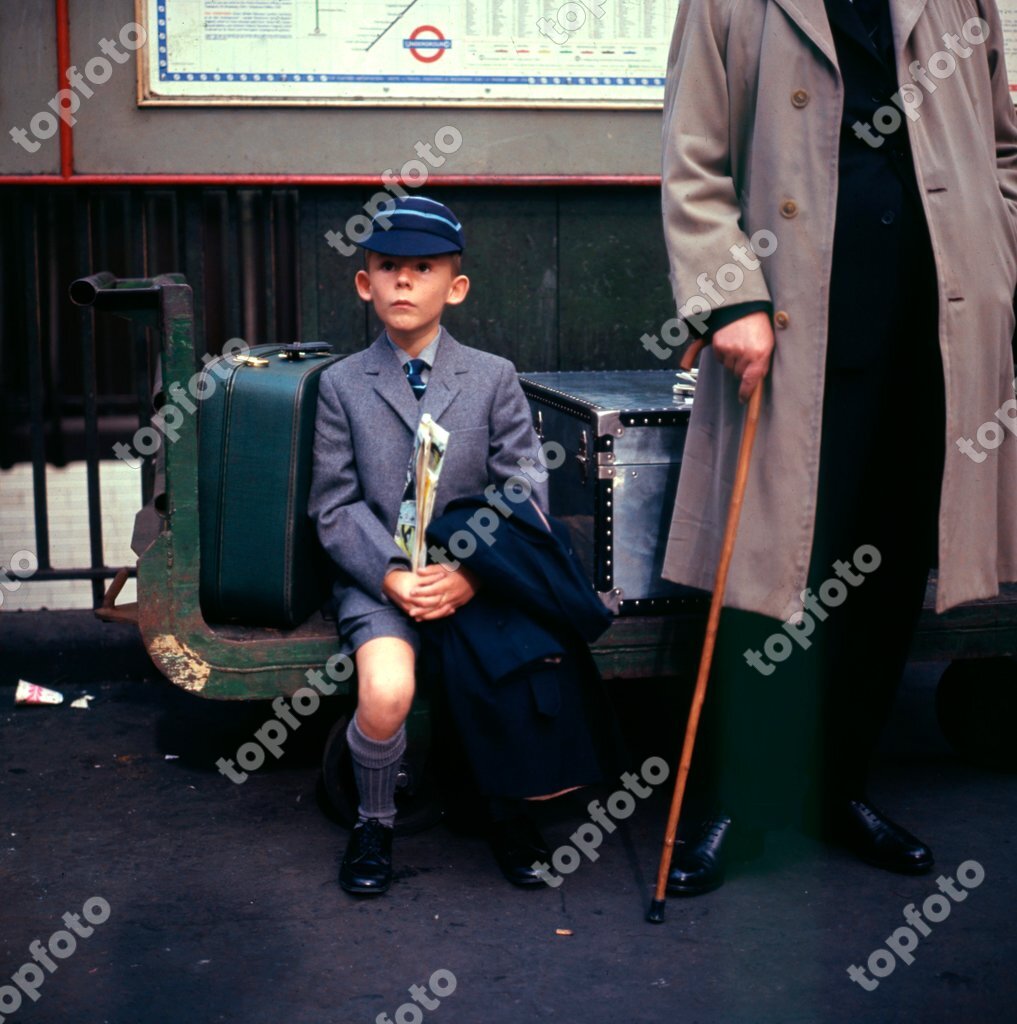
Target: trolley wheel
[417, 805]
[976, 703]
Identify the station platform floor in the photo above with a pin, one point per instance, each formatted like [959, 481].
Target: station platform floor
[223, 904]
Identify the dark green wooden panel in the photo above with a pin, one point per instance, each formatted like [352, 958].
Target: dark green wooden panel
[511, 260]
[562, 278]
[327, 287]
[190, 217]
[217, 285]
[613, 284]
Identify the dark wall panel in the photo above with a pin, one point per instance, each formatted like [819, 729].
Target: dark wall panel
[561, 279]
[613, 284]
[512, 263]
[332, 311]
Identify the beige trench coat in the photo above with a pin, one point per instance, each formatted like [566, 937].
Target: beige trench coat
[751, 131]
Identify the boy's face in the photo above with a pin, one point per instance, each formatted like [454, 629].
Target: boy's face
[409, 294]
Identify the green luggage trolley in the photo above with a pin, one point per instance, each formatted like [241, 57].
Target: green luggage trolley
[216, 660]
[977, 696]
[227, 661]
[242, 662]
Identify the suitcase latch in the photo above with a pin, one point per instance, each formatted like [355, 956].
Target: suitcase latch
[583, 457]
[252, 361]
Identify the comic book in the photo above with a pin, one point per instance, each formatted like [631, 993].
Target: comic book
[421, 487]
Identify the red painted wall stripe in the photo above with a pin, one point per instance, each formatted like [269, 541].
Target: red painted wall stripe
[368, 181]
[63, 27]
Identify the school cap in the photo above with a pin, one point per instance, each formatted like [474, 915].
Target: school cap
[414, 226]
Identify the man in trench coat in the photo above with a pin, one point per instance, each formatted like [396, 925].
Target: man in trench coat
[840, 208]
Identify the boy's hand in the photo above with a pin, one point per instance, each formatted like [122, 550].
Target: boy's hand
[397, 586]
[440, 591]
[432, 593]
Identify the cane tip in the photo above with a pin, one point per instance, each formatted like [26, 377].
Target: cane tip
[655, 915]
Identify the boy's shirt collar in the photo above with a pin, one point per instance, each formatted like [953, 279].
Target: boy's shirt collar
[428, 354]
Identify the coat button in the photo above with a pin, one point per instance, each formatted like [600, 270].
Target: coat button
[888, 217]
[800, 98]
[789, 209]
[782, 320]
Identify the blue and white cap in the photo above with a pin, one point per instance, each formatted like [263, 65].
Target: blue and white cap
[414, 226]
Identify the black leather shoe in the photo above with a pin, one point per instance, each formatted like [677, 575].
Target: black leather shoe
[877, 840]
[367, 863]
[699, 867]
[517, 845]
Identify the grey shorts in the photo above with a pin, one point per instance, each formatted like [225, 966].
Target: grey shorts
[355, 631]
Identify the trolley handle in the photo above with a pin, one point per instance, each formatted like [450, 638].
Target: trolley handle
[105, 291]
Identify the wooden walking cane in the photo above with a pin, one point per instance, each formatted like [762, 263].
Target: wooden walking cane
[655, 915]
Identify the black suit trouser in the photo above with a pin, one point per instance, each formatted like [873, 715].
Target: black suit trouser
[774, 744]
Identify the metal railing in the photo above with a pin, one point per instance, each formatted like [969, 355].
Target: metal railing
[72, 385]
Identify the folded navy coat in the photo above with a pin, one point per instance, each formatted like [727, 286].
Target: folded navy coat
[513, 664]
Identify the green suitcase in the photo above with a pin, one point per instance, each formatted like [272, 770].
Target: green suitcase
[261, 563]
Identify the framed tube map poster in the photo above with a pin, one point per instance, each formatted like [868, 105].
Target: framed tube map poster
[514, 53]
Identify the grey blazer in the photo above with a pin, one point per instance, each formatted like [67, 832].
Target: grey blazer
[366, 421]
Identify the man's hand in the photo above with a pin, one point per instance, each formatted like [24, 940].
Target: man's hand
[432, 593]
[745, 347]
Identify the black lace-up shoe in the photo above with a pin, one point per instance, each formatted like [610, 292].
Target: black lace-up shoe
[699, 867]
[877, 840]
[517, 845]
[367, 863]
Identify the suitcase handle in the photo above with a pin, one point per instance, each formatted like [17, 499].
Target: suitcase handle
[298, 349]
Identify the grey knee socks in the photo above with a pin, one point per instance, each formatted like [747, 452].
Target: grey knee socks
[375, 767]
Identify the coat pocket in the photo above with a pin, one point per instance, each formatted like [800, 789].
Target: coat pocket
[545, 685]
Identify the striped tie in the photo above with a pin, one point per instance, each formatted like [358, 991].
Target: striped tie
[414, 369]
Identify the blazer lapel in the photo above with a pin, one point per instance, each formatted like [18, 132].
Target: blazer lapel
[845, 18]
[446, 377]
[390, 382]
[813, 17]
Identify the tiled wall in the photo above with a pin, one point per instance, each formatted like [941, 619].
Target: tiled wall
[120, 489]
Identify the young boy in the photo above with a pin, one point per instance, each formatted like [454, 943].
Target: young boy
[369, 407]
